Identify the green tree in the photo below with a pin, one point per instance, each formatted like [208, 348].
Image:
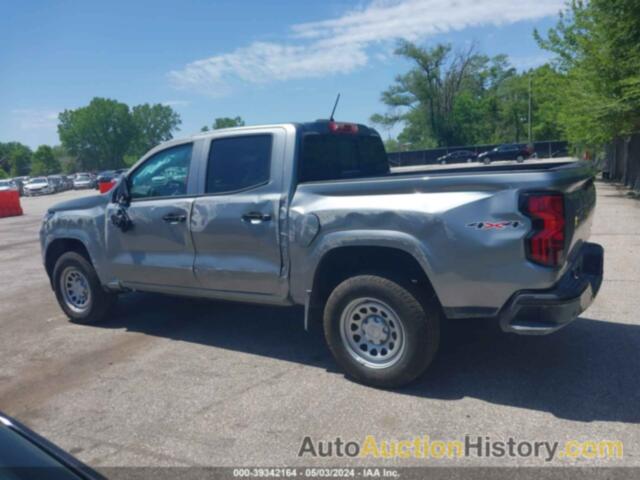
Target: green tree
[442, 100]
[99, 135]
[44, 162]
[228, 122]
[18, 158]
[154, 124]
[597, 47]
[224, 122]
[467, 98]
[548, 87]
[68, 163]
[4, 158]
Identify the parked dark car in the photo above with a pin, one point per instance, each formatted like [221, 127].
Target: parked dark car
[57, 183]
[19, 184]
[510, 151]
[26, 455]
[563, 152]
[67, 181]
[106, 176]
[459, 156]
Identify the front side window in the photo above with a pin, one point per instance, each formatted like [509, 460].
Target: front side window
[163, 175]
[238, 163]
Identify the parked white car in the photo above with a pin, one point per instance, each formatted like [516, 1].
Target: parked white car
[84, 180]
[38, 186]
[7, 185]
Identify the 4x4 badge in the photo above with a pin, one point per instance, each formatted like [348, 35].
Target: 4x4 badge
[494, 225]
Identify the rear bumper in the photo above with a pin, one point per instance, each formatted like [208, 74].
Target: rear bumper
[539, 312]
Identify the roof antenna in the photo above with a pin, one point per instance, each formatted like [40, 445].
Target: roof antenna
[335, 105]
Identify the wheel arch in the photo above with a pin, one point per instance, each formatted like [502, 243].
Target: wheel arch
[60, 246]
[341, 262]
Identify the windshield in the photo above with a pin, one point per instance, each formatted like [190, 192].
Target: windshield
[38, 180]
[5, 183]
[82, 177]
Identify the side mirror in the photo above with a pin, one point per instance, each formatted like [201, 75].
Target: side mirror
[121, 194]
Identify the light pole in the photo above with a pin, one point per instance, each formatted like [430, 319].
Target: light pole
[530, 131]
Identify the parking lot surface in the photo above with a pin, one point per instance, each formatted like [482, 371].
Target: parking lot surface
[170, 381]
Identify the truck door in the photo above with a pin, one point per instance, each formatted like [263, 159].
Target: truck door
[235, 223]
[156, 250]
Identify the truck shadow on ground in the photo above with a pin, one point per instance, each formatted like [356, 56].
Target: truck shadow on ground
[589, 371]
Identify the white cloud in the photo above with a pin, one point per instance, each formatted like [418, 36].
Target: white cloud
[414, 19]
[176, 103]
[35, 119]
[263, 62]
[344, 44]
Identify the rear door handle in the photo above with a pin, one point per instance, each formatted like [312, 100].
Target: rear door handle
[256, 217]
[174, 217]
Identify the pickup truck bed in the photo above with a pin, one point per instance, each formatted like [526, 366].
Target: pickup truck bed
[435, 215]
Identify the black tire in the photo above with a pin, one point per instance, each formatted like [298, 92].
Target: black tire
[418, 313]
[100, 302]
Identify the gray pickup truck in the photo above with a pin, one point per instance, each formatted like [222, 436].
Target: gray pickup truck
[311, 214]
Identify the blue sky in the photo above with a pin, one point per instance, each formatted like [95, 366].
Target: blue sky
[267, 61]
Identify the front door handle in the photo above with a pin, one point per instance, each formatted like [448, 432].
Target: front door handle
[174, 217]
[256, 217]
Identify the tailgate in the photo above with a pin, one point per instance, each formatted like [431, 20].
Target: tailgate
[580, 204]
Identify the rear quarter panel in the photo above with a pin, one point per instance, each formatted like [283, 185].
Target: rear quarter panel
[435, 218]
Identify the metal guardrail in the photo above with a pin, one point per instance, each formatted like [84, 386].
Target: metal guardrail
[545, 149]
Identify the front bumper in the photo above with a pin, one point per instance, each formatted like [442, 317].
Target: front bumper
[42, 191]
[538, 312]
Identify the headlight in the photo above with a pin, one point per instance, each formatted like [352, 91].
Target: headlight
[48, 215]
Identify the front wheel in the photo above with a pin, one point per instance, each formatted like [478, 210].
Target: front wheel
[79, 291]
[379, 331]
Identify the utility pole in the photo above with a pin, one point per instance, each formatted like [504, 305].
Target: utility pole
[530, 132]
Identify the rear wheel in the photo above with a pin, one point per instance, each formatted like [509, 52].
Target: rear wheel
[520, 159]
[381, 332]
[78, 289]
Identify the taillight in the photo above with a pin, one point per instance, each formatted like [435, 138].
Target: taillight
[546, 242]
[349, 128]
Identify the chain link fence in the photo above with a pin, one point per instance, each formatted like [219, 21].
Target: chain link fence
[545, 149]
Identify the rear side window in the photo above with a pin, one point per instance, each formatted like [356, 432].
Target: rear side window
[238, 163]
[332, 157]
